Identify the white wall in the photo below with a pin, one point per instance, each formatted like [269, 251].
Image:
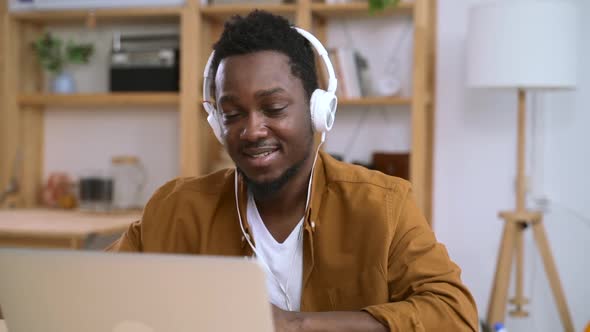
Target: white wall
[562, 180]
[475, 165]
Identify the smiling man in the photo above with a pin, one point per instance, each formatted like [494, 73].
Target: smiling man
[347, 248]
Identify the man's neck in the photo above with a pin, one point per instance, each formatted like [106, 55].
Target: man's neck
[283, 210]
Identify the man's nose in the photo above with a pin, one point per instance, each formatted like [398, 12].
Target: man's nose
[254, 128]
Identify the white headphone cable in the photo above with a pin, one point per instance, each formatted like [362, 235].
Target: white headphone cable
[283, 289]
[258, 256]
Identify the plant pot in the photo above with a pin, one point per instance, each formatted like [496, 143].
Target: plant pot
[63, 83]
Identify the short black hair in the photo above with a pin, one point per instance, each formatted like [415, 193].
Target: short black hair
[263, 31]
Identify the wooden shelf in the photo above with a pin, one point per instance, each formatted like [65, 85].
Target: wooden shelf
[356, 9]
[110, 15]
[223, 12]
[201, 26]
[376, 101]
[102, 100]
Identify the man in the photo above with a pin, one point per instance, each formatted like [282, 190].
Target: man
[347, 249]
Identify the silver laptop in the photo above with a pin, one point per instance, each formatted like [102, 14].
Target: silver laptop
[68, 291]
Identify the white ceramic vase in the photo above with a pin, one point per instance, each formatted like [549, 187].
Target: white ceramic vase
[63, 83]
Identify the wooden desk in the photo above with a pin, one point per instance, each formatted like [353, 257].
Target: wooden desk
[58, 228]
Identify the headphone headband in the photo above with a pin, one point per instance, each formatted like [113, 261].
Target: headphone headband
[321, 50]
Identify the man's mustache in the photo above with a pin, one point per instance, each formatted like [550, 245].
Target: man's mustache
[261, 144]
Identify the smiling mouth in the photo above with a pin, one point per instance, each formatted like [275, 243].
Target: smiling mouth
[260, 155]
[261, 152]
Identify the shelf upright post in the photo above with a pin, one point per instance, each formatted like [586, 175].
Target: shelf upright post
[191, 121]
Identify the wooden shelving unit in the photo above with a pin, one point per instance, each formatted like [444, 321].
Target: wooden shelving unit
[22, 103]
[100, 100]
[376, 101]
[221, 13]
[102, 15]
[356, 9]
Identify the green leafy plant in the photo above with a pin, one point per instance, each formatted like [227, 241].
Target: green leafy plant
[53, 56]
[379, 5]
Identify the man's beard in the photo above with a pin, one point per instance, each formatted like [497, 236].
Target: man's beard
[267, 188]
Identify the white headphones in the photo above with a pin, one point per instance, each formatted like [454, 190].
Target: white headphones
[323, 103]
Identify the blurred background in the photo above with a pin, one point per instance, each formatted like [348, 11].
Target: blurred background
[100, 105]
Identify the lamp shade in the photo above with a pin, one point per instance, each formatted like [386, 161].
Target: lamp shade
[522, 44]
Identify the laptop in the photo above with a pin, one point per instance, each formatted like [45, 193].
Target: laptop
[73, 291]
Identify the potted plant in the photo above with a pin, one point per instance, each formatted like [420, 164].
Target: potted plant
[379, 5]
[53, 57]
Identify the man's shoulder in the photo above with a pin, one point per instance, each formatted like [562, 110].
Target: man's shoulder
[345, 174]
[180, 209]
[211, 184]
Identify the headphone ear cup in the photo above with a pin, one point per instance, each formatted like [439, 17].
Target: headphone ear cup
[323, 110]
[213, 121]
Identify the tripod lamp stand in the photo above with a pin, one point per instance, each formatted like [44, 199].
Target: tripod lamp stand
[522, 45]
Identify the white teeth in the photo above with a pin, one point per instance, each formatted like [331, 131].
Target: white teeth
[260, 155]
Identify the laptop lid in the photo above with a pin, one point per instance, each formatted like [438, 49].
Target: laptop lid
[73, 291]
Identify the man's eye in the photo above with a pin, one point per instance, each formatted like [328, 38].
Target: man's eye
[230, 116]
[274, 110]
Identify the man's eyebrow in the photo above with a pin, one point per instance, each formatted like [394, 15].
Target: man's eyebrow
[268, 92]
[258, 94]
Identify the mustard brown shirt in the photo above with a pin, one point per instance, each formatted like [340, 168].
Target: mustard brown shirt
[366, 245]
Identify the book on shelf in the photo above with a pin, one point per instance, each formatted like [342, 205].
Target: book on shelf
[364, 75]
[351, 69]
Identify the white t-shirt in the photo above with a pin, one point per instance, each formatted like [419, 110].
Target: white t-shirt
[285, 260]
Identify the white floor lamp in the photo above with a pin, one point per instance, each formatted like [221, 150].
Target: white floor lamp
[522, 45]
